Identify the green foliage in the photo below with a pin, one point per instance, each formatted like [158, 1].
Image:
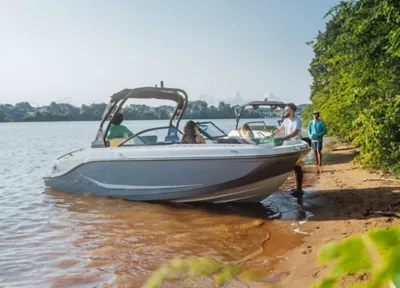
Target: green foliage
[358, 254]
[195, 268]
[228, 272]
[328, 282]
[356, 78]
[351, 254]
[378, 135]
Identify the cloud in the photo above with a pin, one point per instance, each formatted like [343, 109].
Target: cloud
[271, 97]
[233, 99]
[210, 99]
[65, 100]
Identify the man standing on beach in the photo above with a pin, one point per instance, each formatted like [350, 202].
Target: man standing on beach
[291, 126]
[316, 132]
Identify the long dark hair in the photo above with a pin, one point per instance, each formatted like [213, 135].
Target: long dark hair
[118, 118]
[189, 133]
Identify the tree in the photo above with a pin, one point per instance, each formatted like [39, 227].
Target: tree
[3, 114]
[24, 105]
[356, 78]
[221, 106]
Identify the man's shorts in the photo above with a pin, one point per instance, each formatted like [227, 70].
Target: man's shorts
[316, 146]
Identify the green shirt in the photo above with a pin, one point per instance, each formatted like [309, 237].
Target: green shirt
[119, 131]
[318, 129]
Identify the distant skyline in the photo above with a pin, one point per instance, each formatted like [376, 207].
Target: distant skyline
[81, 52]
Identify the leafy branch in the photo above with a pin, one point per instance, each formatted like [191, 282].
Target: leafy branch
[195, 268]
[376, 253]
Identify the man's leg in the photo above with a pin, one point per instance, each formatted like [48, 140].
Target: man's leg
[319, 153]
[314, 147]
[316, 155]
[298, 171]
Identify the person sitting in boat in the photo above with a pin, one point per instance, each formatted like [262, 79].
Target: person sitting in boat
[117, 130]
[191, 134]
[245, 132]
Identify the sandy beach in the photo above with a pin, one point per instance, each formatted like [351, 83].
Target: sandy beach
[346, 200]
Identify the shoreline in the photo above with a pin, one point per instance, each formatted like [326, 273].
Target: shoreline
[346, 200]
[167, 119]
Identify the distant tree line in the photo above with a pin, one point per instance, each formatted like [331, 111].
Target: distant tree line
[23, 111]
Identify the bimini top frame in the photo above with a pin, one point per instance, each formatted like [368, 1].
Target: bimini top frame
[118, 100]
[256, 104]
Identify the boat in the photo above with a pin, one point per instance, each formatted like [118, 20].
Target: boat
[152, 165]
[259, 128]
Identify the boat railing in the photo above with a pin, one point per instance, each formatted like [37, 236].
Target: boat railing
[69, 153]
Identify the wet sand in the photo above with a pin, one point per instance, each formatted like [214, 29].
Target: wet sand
[341, 202]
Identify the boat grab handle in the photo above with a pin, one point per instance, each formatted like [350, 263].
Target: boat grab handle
[69, 153]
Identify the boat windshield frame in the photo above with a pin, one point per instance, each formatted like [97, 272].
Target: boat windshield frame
[255, 104]
[204, 132]
[118, 100]
[137, 135]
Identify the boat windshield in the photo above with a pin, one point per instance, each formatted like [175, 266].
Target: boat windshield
[257, 125]
[155, 136]
[210, 130]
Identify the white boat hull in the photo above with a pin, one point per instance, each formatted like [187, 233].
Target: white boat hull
[180, 173]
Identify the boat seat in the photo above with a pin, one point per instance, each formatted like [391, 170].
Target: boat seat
[149, 140]
[235, 140]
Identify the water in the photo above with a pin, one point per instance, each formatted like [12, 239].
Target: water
[54, 239]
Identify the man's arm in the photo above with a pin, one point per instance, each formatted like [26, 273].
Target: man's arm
[280, 129]
[323, 130]
[291, 135]
[309, 130]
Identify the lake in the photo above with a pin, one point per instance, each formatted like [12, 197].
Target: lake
[55, 239]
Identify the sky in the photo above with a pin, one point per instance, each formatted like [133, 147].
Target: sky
[83, 51]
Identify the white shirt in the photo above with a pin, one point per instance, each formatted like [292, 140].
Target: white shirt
[290, 125]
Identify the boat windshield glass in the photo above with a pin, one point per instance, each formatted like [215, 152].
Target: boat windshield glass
[154, 136]
[257, 125]
[210, 130]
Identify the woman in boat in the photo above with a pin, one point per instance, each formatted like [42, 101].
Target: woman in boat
[117, 130]
[191, 134]
[245, 132]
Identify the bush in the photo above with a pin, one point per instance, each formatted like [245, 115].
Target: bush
[377, 133]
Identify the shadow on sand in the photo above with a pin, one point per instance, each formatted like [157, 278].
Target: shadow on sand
[339, 204]
[345, 204]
